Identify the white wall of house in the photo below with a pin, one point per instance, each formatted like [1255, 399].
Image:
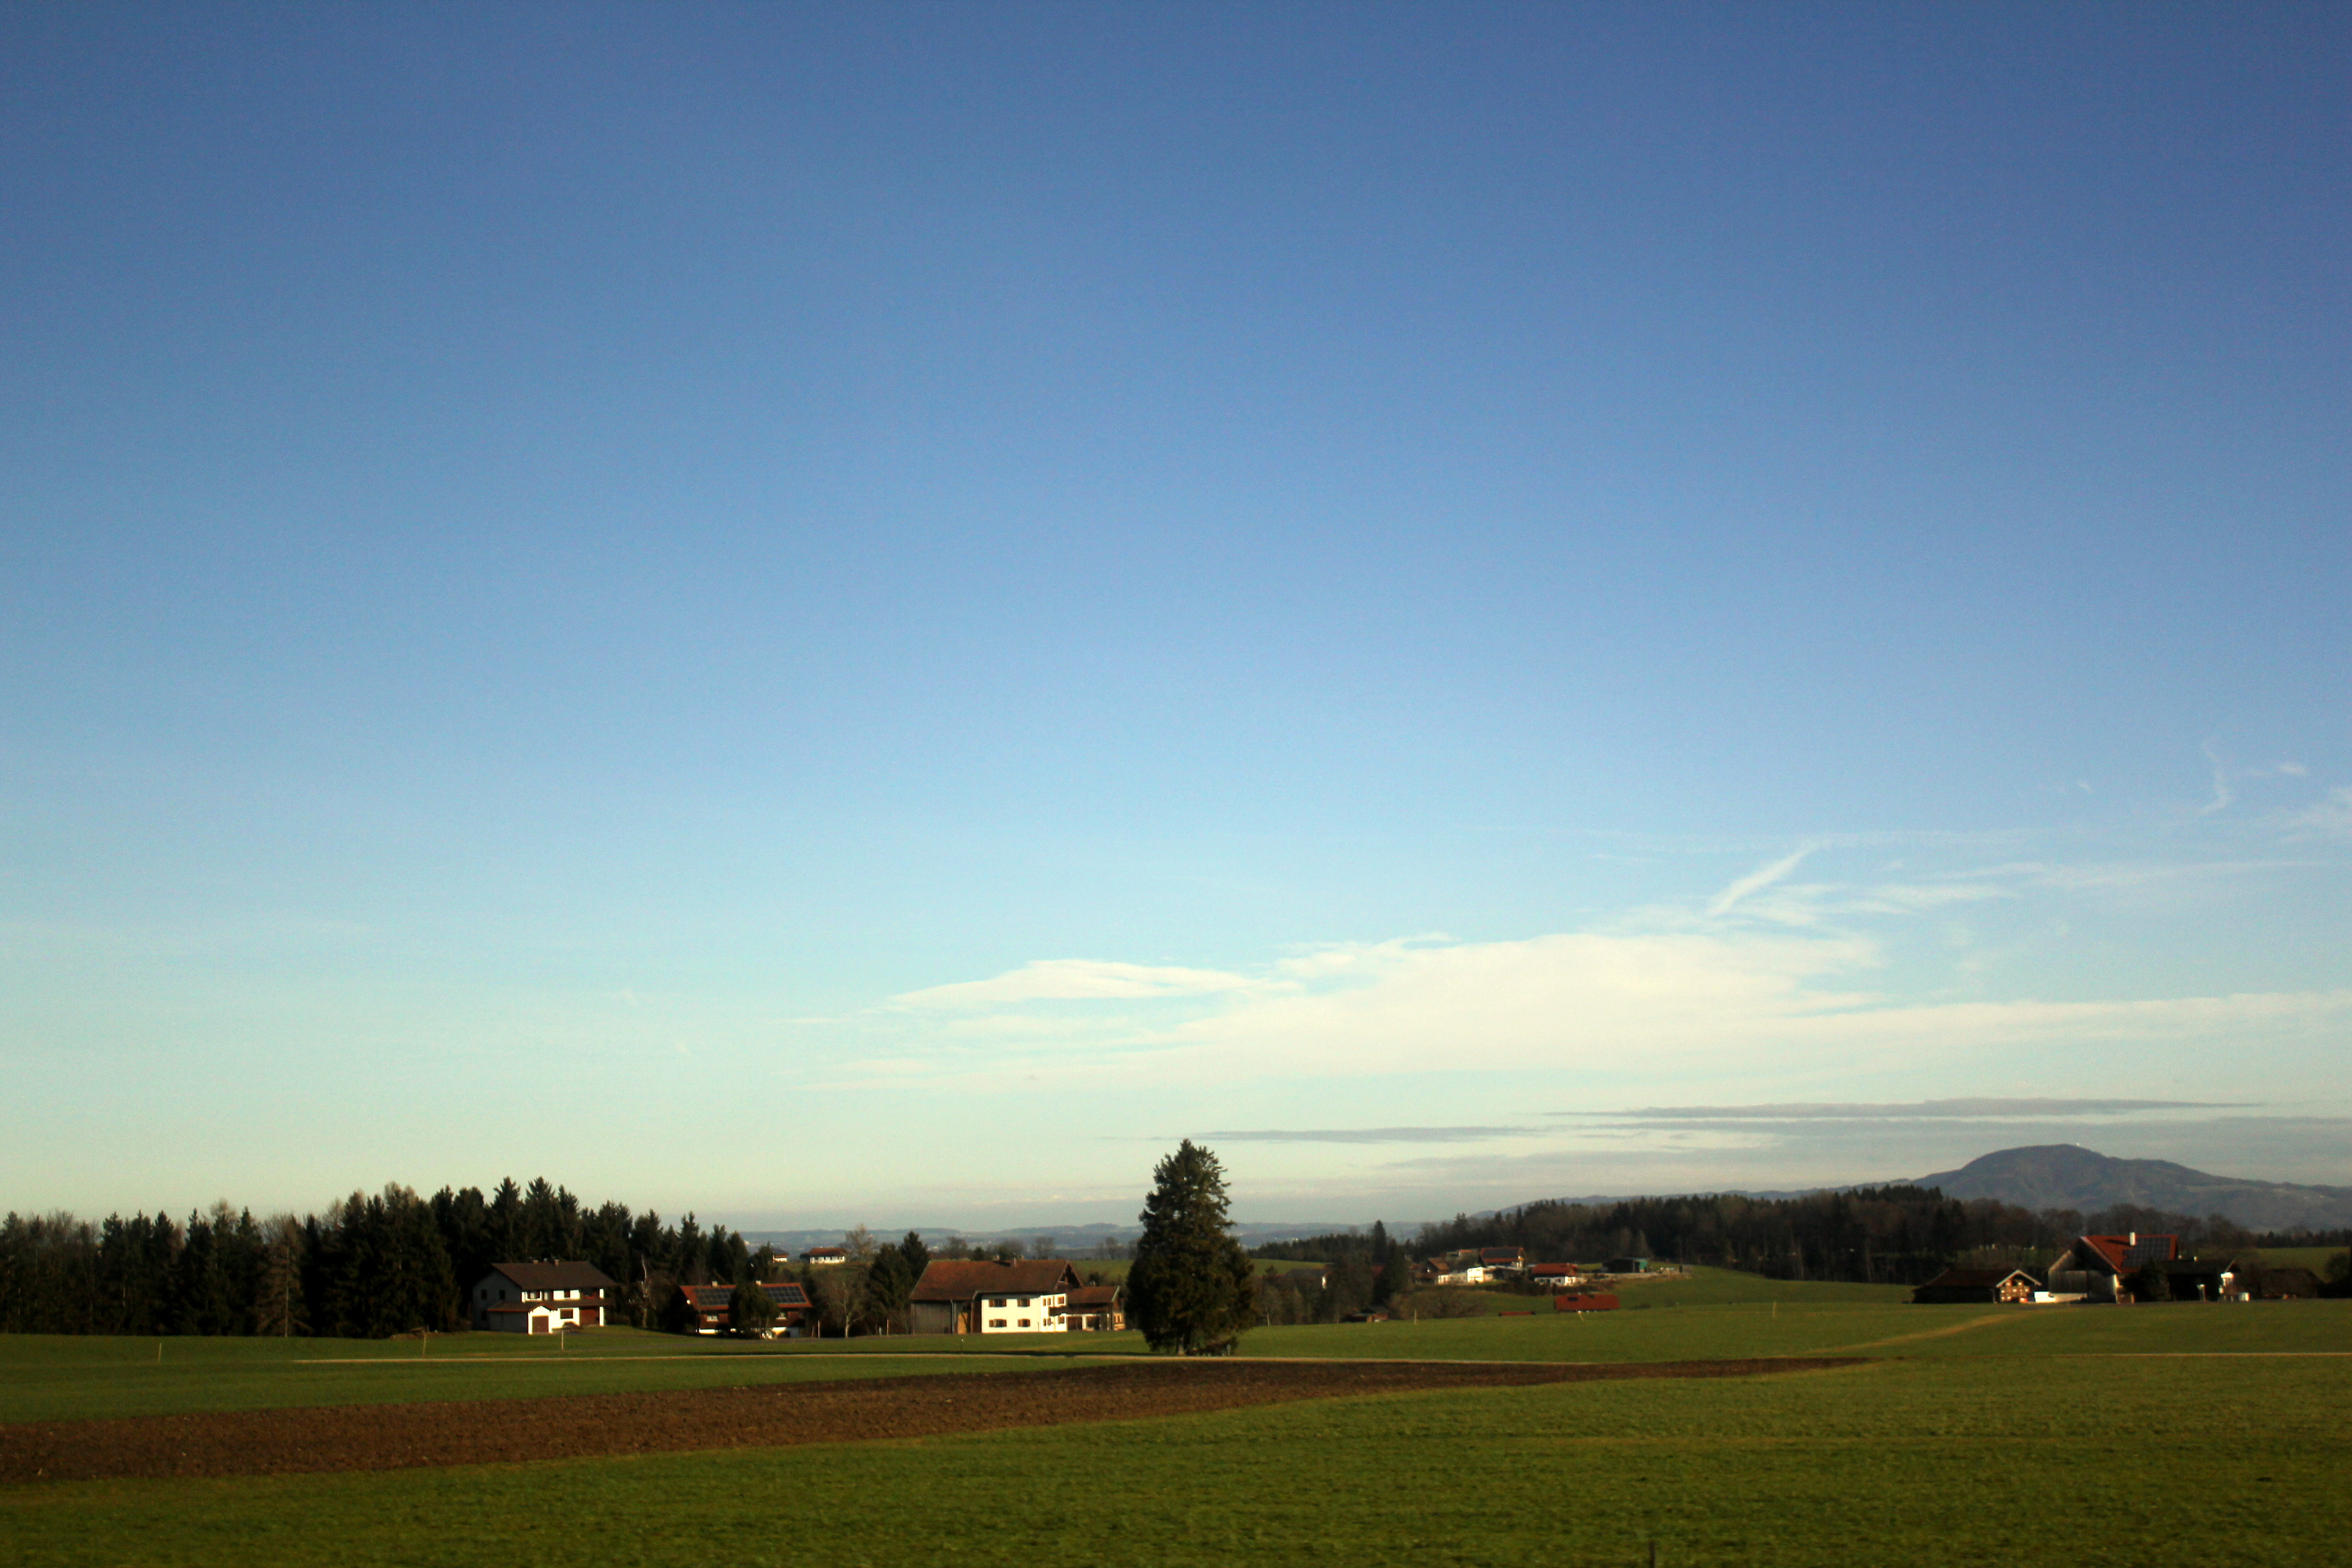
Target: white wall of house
[1021, 1314]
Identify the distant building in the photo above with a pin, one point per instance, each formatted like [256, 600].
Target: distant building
[1554, 1273]
[2097, 1266]
[1502, 1259]
[709, 1306]
[1585, 1301]
[823, 1257]
[2285, 1283]
[1096, 1309]
[974, 1296]
[1978, 1285]
[1627, 1265]
[2199, 1280]
[542, 1297]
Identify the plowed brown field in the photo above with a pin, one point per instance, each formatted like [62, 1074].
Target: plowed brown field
[481, 1432]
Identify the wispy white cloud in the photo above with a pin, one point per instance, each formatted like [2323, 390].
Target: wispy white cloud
[1073, 980]
[2329, 817]
[1374, 1135]
[1756, 881]
[1919, 1110]
[2223, 795]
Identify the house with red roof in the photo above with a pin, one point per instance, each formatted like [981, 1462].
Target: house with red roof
[710, 1307]
[2097, 1266]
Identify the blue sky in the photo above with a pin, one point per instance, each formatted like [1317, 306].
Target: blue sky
[874, 613]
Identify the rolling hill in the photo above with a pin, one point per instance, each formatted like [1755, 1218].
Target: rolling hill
[2066, 1176]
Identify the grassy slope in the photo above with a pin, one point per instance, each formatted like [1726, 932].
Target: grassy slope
[2315, 1258]
[1955, 1459]
[64, 1378]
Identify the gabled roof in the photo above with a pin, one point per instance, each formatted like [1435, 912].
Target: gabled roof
[554, 1275]
[1094, 1296]
[714, 1298]
[2122, 1253]
[1978, 1278]
[960, 1280]
[1554, 1268]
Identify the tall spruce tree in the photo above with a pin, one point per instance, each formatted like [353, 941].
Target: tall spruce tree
[1190, 1288]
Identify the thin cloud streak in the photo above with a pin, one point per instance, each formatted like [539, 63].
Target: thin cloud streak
[1922, 1110]
[1754, 882]
[1375, 1135]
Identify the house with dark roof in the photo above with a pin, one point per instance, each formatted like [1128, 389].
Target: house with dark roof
[2199, 1280]
[1556, 1275]
[824, 1257]
[1954, 1286]
[1502, 1259]
[543, 1297]
[2285, 1282]
[1096, 1309]
[709, 1306]
[978, 1296]
[2097, 1265]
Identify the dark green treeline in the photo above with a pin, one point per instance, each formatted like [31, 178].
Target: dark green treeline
[371, 1265]
[1895, 1235]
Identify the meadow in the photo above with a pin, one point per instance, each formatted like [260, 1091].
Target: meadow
[2138, 1432]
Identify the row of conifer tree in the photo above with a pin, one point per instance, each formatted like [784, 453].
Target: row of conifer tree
[371, 1264]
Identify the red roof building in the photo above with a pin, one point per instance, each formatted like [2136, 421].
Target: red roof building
[709, 1306]
[2097, 1266]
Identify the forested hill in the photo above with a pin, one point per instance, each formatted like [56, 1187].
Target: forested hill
[1901, 1235]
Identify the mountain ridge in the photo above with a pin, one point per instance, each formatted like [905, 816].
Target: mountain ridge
[2069, 1176]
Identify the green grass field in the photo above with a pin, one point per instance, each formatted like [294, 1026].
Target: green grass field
[1967, 1433]
[64, 1378]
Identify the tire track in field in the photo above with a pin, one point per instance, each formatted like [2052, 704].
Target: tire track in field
[1945, 1332]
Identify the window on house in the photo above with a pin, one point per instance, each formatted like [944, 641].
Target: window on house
[995, 1323]
[1024, 1322]
[1024, 1300]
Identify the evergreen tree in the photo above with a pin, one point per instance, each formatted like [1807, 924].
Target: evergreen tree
[1396, 1274]
[279, 1306]
[890, 1285]
[918, 1255]
[1191, 1290]
[750, 1309]
[506, 1229]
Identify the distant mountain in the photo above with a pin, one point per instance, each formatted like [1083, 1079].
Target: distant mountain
[2068, 1176]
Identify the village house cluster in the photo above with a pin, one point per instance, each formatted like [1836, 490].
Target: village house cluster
[1499, 1264]
[2120, 1270]
[953, 1296]
[1045, 1295]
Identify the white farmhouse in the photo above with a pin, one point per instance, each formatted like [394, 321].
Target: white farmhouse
[542, 1298]
[977, 1297]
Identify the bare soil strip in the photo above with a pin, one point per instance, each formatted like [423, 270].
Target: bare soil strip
[483, 1432]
